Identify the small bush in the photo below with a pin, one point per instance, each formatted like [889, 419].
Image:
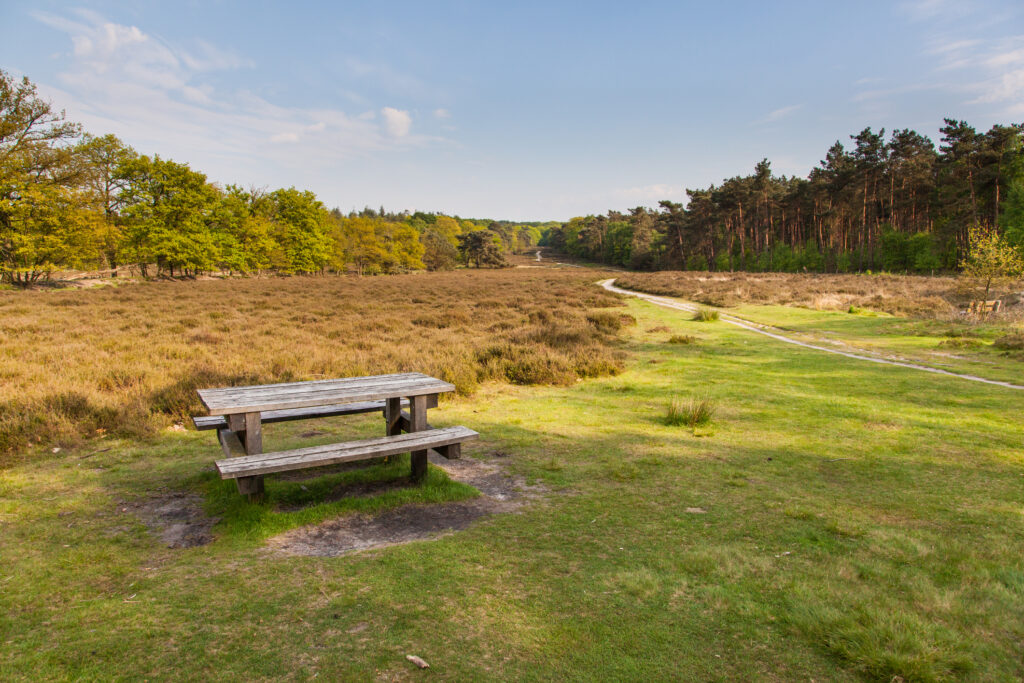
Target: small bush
[682, 339]
[692, 413]
[605, 321]
[706, 315]
[1010, 342]
[610, 323]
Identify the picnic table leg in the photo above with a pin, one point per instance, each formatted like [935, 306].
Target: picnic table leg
[250, 432]
[418, 423]
[392, 419]
[393, 416]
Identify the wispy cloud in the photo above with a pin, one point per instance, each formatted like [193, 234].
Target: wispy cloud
[997, 66]
[972, 57]
[157, 95]
[780, 113]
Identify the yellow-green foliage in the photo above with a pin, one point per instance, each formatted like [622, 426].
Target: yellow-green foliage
[125, 360]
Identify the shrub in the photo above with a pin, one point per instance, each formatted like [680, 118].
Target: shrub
[705, 315]
[608, 322]
[605, 321]
[692, 413]
[1010, 342]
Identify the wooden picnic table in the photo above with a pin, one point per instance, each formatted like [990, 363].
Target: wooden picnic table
[238, 415]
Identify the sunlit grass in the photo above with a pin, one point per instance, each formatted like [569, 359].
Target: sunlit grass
[844, 521]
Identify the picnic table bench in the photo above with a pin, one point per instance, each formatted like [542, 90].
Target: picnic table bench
[238, 414]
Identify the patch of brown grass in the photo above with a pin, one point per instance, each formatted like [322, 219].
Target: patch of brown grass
[127, 360]
[931, 297]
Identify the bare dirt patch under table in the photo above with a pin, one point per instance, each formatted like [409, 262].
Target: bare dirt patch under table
[177, 518]
[500, 492]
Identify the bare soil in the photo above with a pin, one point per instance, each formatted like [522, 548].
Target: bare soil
[500, 492]
[177, 518]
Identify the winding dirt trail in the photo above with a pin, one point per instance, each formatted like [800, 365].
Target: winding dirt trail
[775, 334]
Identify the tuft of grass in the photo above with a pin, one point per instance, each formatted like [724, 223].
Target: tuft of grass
[705, 315]
[695, 412]
[682, 339]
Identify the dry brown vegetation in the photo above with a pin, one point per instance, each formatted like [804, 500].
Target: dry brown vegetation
[896, 294]
[127, 359]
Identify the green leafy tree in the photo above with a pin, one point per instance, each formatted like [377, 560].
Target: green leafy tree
[102, 158]
[438, 252]
[991, 262]
[44, 218]
[482, 248]
[301, 231]
[167, 213]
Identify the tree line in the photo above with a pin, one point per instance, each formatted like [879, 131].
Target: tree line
[71, 200]
[896, 204]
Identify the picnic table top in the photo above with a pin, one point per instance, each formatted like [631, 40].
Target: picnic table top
[233, 400]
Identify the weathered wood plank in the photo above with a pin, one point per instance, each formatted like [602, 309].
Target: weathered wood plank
[319, 456]
[220, 422]
[256, 399]
[253, 434]
[230, 444]
[251, 487]
[393, 417]
[406, 423]
[418, 423]
[451, 451]
[342, 383]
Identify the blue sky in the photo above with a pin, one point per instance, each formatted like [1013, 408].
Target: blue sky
[517, 110]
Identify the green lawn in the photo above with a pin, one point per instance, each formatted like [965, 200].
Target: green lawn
[838, 520]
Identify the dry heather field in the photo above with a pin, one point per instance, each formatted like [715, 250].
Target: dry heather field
[919, 296]
[126, 360]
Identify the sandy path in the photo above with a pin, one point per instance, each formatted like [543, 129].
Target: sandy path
[774, 334]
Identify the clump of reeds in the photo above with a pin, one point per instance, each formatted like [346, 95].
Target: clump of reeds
[682, 339]
[693, 412]
[706, 315]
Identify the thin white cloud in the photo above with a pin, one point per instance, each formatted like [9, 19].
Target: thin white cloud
[781, 113]
[396, 122]
[442, 114]
[996, 67]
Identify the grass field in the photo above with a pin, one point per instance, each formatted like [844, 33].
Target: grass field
[836, 520]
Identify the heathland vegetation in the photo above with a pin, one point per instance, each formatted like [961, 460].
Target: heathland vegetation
[127, 360]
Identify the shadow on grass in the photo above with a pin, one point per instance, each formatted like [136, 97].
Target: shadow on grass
[292, 503]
